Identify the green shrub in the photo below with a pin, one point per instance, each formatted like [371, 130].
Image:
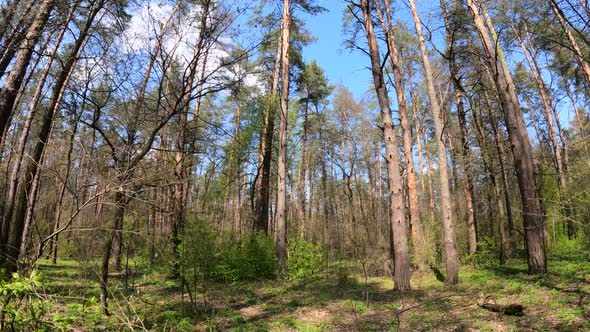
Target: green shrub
[487, 254]
[197, 252]
[252, 258]
[305, 258]
[358, 307]
[22, 308]
[204, 258]
[514, 286]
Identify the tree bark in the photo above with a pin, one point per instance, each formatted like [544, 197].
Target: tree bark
[24, 137]
[281, 228]
[180, 170]
[400, 90]
[32, 166]
[262, 183]
[62, 191]
[398, 225]
[531, 58]
[12, 42]
[120, 202]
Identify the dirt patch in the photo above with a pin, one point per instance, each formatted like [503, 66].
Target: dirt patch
[252, 312]
[313, 316]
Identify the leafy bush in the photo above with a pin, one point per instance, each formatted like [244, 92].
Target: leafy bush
[305, 258]
[22, 307]
[198, 260]
[252, 258]
[204, 258]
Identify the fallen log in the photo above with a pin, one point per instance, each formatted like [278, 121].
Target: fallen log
[510, 309]
[489, 304]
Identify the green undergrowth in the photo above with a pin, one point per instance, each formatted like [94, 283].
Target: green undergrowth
[333, 298]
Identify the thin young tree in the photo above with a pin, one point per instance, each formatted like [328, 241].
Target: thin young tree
[452, 259]
[400, 90]
[281, 230]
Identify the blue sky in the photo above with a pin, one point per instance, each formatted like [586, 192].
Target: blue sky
[342, 66]
[345, 66]
[350, 67]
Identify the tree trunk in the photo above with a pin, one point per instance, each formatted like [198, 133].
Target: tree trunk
[24, 137]
[531, 58]
[12, 42]
[54, 240]
[398, 226]
[560, 151]
[534, 219]
[452, 259]
[505, 188]
[303, 173]
[180, 170]
[429, 173]
[32, 167]
[14, 80]
[120, 202]
[461, 114]
[584, 65]
[262, 184]
[281, 228]
[400, 90]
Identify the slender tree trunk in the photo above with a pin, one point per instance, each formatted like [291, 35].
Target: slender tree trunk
[281, 230]
[429, 172]
[461, 114]
[44, 132]
[6, 15]
[14, 80]
[398, 226]
[120, 202]
[467, 172]
[12, 42]
[560, 151]
[505, 188]
[180, 171]
[62, 191]
[324, 174]
[302, 179]
[418, 145]
[581, 130]
[534, 219]
[262, 184]
[584, 4]
[21, 149]
[531, 58]
[452, 259]
[400, 90]
[584, 65]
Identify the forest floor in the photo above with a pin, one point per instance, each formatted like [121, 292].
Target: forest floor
[331, 301]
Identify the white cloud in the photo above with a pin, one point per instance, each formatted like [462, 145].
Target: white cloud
[180, 38]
